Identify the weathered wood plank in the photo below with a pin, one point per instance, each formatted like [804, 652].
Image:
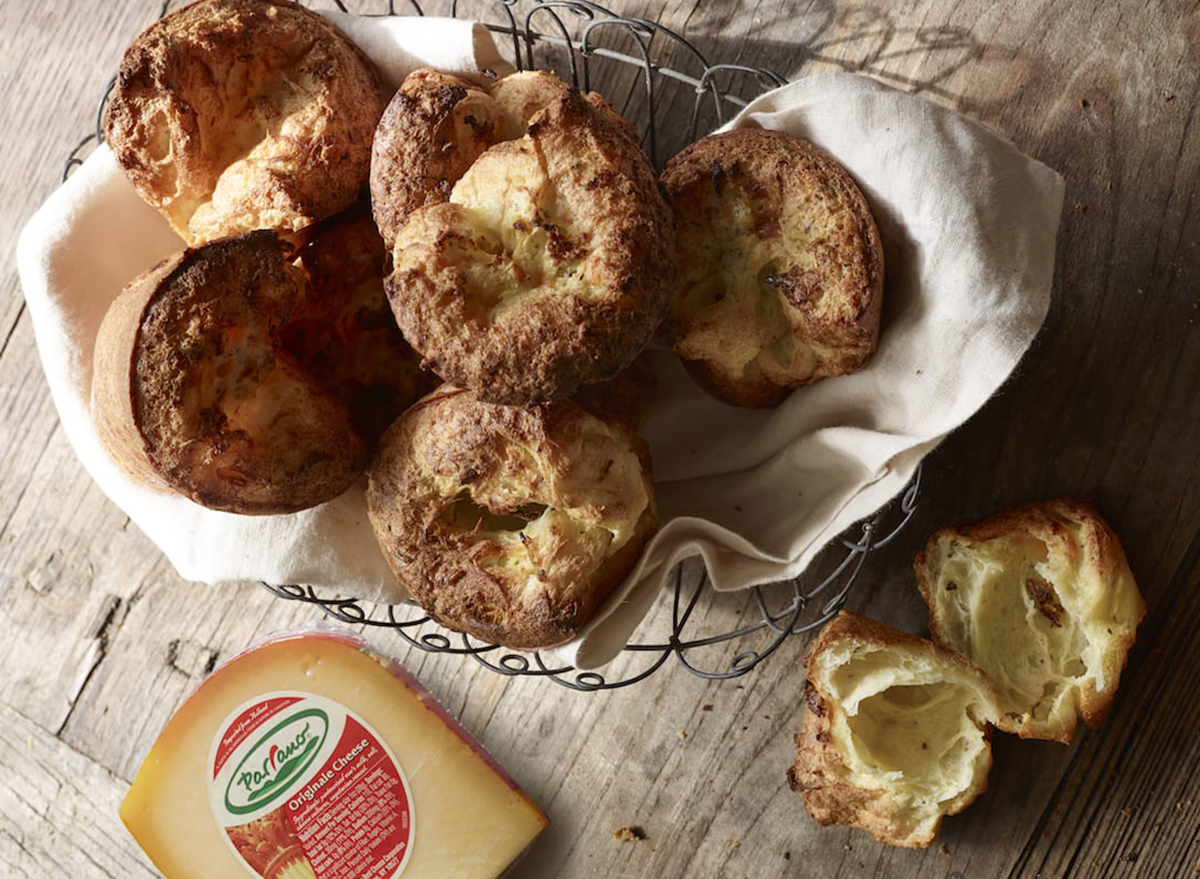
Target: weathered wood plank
[103, 640]
[58, 810]
[1130, 803]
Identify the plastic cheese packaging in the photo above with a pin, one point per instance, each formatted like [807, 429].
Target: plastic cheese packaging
[310, 757]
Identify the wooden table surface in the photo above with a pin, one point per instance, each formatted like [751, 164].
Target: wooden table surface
[102, 640]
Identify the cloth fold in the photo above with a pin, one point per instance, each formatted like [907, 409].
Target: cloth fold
[968, 225]
[94, 235]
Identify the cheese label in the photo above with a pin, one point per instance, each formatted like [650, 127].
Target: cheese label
[304, 789]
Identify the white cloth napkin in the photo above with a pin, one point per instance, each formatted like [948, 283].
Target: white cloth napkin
[968, 225]
[94, 235]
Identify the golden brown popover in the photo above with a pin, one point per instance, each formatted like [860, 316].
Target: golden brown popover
[625, 398]
[547, 270]
[233, 115]
[513, 524]
[347, 337]
[896, 731]
[780, 266]
[192, 388]
[438, 124]
[1042, 598]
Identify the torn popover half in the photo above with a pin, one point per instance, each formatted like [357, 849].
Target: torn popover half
[1041, 597]
[896, 731]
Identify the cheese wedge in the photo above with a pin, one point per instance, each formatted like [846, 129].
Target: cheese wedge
[307, 757]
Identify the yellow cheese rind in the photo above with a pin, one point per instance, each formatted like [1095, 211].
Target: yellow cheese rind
[471, 821]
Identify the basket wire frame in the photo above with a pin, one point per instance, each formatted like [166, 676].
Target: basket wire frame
[581, 52]
[774, 623]
[773, 619]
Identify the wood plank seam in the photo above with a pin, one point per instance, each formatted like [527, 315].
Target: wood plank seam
[12, 329]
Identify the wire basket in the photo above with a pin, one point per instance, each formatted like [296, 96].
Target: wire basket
[601, 39]
[776, 612]
[660, 69]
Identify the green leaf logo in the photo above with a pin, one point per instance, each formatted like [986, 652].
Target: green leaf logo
[277, 760]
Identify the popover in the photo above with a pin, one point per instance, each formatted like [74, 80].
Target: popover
[896, 731]
[1042, 598]
[347, 337]
[780, 266]
[233, 115]
[192, 388]
[510, 523]
[438, 124]
[548, 269]
[625, 398]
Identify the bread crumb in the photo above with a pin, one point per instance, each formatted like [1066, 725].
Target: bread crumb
[787, 856]
[630, 834]
[1108, 186]
[1131, 857]
[1127, 811]
[846, 847]
[1085, 103]
[737, 843]
[1170, 98]
[945, 849]
[1080, 207]
[682, 735]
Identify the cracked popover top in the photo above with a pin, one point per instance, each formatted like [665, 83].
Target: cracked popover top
[234, 115]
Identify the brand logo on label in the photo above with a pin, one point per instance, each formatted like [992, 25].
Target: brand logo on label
[276, 760]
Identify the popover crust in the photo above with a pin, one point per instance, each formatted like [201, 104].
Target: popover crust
[347, 337]
[431, 132]
[548, 269]
[1042, 598]
[780, 266]
[193, 391]
[625, 398]
[233, 115]
[512, 524]
[437, 125]
[895, 734]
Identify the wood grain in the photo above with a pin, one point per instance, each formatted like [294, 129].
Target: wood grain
[103, 640]
[58, 810]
